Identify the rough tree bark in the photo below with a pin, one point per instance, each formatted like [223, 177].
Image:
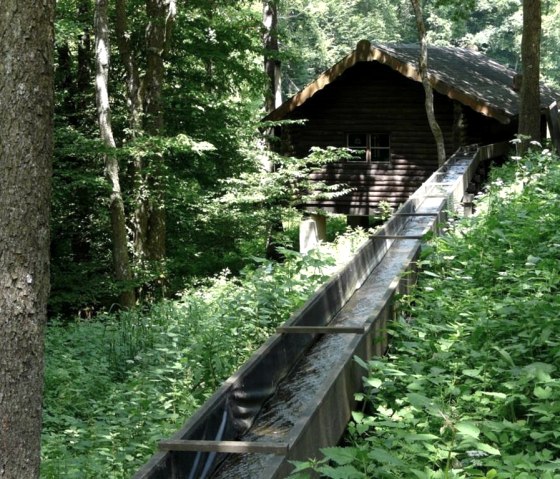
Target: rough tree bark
[272, 100]
[119, 238]
[144, 102]
[272, 64]
[423, 69]
[529, 108]
[26, 145]
[84, 73]
[134, 95]
[158, 34]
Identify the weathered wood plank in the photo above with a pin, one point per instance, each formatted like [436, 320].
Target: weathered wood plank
[320, 329]
[234, 447]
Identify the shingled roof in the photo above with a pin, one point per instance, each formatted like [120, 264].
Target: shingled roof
[464, 75]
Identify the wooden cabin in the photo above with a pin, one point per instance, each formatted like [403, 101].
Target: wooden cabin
[372, 102]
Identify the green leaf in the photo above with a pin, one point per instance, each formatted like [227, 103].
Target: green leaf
[542, 393]
[504, 355]
[487, 448]
[494, 394]
[420, 437]
[467, 428]
[340, 455]
[342, 472]
[539, 371]
[301, 465]
[384, 457]
[361, 362]
[374, 382]
[430, 273]
[357, 416]
[419, 401]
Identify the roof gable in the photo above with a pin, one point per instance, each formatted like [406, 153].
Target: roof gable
[464, 75]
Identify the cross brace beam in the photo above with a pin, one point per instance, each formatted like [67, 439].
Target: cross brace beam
[321, 329]
[232, 447]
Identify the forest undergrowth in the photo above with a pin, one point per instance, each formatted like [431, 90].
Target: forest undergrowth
[470, 386]
[117, 384]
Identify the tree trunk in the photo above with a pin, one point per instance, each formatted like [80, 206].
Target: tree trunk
[84, 70]
[272, 64]
[272, 100]
[423, 69]
[529, 108]
[146, 112]
[161, 15]
[26, 146]
[134, 94]
[121, 265]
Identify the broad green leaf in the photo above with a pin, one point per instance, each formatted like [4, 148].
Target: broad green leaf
[419, 401]
[542, 393]
[357, 416]
[384, 457]
[374, 382]
[487, 448]
[342, 472]
[467, 428]
[494, 394]
[430, 273]
[472, 373]
[301, 465]
[361, 362]
[504, 355]
[539, 371]
[420, 437]
[340, 455]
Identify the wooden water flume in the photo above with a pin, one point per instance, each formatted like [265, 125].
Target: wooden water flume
[296, 393]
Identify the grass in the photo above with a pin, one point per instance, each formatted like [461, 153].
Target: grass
[471, 384]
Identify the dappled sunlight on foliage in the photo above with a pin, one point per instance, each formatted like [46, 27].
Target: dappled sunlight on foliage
[470, 386]
[118, 384]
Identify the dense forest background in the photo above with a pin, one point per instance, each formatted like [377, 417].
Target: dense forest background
[186, 89]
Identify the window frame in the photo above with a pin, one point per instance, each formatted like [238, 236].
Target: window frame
[372, 141]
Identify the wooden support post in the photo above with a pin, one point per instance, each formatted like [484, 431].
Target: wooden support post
[321, 224]
[308, 237]
[468, 205]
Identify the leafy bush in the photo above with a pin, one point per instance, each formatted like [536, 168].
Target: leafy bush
[471, 384]
[118, 384]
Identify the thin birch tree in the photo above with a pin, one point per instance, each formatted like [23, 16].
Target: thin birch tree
[119, 237]
[423, 70]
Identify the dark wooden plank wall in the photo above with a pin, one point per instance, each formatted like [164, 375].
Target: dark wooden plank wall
[483, 130]
[372, 98]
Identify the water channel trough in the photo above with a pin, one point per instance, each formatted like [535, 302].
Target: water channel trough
[296, 393]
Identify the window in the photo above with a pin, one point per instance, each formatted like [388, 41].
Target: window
[370, 147]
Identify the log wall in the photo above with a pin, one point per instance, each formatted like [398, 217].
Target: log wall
[373, 98]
